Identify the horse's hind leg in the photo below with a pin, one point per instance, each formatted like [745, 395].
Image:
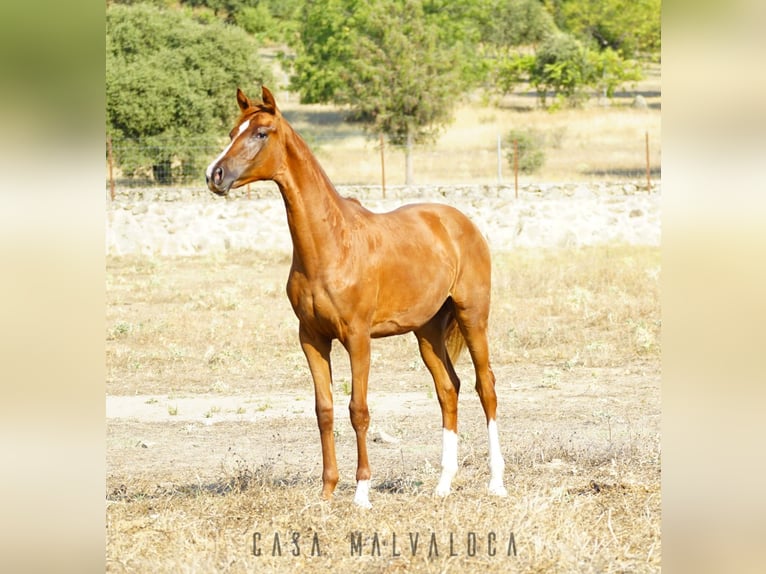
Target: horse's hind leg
[434, 353]
[473, 325]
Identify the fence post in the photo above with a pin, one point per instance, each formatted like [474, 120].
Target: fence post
[648, 168]
[516, 167]
[382, 165]
[111, 166]
[499, 160]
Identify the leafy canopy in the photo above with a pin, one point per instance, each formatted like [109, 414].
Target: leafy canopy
[629, 27]
[563, 47]
[511, 23]
[170, 80]
[389, 61]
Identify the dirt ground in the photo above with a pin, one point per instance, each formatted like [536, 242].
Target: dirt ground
[586, 409]
[210, 406]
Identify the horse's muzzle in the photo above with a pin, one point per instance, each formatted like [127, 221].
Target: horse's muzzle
[215, 181]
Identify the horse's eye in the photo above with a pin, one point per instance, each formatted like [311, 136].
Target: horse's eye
[260, 135]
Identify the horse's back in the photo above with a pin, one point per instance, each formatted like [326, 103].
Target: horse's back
[437, 239]
[454, 221]
[466, 239]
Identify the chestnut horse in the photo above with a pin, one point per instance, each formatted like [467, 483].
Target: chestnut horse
[358, 275]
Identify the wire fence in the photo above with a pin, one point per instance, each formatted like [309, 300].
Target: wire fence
[358, 160]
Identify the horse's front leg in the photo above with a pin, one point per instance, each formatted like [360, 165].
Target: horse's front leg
[317, 351]
[358, 348]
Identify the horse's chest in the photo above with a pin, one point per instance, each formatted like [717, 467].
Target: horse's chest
[314, 305]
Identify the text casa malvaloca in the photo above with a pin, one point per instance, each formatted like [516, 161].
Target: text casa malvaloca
[392, 544]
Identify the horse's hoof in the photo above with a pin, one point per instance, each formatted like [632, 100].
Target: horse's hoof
[442, 491]
[498, 490]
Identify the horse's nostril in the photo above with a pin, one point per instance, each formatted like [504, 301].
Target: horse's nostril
[218, 175]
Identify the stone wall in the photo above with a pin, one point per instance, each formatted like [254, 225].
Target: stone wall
[188, 221]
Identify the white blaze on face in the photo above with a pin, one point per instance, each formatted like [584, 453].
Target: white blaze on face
[242, 127]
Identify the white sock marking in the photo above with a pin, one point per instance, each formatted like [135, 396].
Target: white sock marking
[362, 496]
[449, 462]
[496, 462]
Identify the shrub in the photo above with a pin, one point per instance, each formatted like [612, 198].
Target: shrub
[530, 145]
[170, 80]
[560, 66]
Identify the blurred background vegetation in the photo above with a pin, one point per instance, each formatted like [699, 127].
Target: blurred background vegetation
[396, 67]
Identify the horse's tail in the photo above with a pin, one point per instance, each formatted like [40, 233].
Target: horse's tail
[453, 337]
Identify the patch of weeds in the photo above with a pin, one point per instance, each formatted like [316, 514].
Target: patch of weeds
[572, 362]
[219, 387]
[151, 401]
[607, 417]
[531, 144]
[643, 337]
[580, 300]
[120, 330]
[172, 410]
[416, 365]
[551, 379]
[399, 486]
[594, 487]
[211, 411]
[227, 301]
[175, 353]
[225, 357]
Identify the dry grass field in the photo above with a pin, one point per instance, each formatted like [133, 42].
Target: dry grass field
[591, 143]
[213, 458]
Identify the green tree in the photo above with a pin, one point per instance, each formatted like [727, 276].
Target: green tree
[387, 61]
[513, 31]
[563, 47]
[324, 48]
[560, 66]
[268, 20]
[169, 84]
[460, 25]
[608, 71]
[511, 23]
[629, 27]
[513, 70]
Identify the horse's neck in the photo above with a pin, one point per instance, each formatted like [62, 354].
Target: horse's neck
[315, 212]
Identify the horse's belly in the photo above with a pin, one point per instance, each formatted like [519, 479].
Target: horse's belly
[391, 327]
[388, 321]
[409, 296]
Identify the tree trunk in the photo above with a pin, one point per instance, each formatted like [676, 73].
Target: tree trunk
[162, 171]
[408, 160]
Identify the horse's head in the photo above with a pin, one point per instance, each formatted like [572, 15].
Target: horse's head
[254, 152]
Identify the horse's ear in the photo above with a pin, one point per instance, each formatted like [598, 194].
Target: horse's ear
[268, 98]
[242, 100]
